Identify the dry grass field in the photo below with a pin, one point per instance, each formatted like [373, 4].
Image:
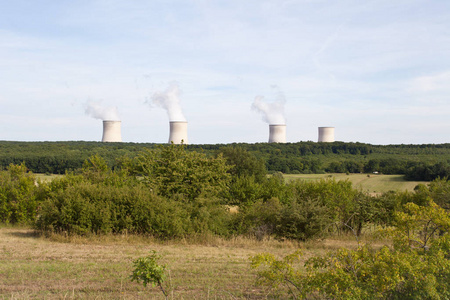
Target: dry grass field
[56, 267]
[374, 183]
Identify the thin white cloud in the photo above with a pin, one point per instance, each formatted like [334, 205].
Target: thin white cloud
[432, 83]
[365, 59]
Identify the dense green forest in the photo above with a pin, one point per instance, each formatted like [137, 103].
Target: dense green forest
[416, 162]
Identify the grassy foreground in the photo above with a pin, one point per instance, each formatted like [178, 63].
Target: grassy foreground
[56, 267]
[372, 183]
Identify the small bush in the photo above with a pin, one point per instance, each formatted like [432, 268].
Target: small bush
[260, 218]
[148, 270]
[302, 220]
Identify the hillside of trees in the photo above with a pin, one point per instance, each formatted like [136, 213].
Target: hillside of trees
[416, 162]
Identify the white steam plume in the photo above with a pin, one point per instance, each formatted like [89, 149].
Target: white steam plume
[170, 101]
[272, 113]
[97, 111]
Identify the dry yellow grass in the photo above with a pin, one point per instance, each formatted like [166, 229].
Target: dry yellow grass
[98, 267]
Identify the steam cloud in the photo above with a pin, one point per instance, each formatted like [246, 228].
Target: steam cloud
[98, 111]
[272, 113]
[170, 101]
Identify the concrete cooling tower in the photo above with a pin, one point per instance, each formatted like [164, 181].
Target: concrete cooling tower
[178, 132]
[112, 131]
[277, 133]
[326, 134]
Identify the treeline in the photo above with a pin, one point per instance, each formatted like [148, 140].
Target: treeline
[170, 192]
[416, 162]
[59, 157]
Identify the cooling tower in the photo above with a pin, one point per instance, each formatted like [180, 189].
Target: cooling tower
[111, 131]
[277, 133]
[326, 134]
[178, 132]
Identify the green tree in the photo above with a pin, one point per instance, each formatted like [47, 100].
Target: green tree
[243, 164]
[173, 171]
[96, 170]
[20, 195]
[438, 190]
[244, 190]
[338, 197]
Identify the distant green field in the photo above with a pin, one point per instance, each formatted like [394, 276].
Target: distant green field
[374, 183]
[47, 178]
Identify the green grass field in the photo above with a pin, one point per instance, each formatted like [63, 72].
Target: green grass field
[374, 183]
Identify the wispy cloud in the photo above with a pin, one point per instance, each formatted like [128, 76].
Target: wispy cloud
[432, 83]
[366, 58]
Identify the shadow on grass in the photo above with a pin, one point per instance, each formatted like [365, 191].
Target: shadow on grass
[33, 234]
[398, 179]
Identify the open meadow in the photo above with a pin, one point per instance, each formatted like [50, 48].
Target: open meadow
[371, 183]
[99, 267]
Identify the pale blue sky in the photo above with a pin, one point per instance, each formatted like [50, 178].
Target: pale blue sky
[378, 71]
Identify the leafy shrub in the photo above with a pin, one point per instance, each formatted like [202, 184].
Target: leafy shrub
[244, 190]
[438, 190]
[20, 195]
[346, 207]
[259, 219]
[148, 270]
[417, 267]
[103, 201]
[274, 187]
[172, 170]
[243, 163]
[85, 207]
[302, 220]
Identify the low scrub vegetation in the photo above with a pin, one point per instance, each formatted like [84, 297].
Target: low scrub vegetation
[169, 193]
[415, 266]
